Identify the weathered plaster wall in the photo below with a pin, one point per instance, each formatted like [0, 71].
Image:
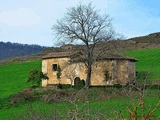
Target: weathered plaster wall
[98, 72]
[131, 71]
[47, 68]
[77, 70]
[44, 70]
[120, 71]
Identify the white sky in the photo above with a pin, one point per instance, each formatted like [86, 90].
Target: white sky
[30, 21]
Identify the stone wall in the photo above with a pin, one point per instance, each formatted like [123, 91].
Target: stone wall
[52, 74]
[44, 70]
[131, 71]
[120, 71]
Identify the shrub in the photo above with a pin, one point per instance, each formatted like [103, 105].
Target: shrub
[35, 76]
[59, 86]
[152, 86]
[82, 83]
[117, 86]
[79, 83]
[142, 75]
[59, 73]
[106, 75]
[64, 86]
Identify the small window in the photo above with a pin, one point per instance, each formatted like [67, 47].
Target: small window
[54, 67]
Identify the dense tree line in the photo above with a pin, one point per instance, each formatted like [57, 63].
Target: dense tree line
[9, 49]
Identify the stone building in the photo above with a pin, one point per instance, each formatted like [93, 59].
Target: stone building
[111, 69]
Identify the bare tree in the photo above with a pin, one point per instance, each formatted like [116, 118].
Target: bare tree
[83, 24]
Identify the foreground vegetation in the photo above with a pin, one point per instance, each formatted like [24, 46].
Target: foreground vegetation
[98, 102]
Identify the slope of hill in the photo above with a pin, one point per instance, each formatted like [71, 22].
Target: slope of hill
[151, 38]
[148, 62]
[8, 49]
[13, 76]
[14, 50]
[37, 56]
[143, 42]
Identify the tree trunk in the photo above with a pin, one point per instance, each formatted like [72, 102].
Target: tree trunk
[88, 79]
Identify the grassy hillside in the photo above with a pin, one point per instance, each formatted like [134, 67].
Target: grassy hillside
[13, 79]
[13, 76]
[148, 61]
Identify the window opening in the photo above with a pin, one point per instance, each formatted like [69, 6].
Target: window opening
[54, 67]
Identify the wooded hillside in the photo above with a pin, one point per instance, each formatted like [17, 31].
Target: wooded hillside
[9, 49]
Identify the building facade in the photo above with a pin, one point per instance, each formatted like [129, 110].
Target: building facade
[108, 71]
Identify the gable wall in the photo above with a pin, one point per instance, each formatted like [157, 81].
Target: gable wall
[47, 68]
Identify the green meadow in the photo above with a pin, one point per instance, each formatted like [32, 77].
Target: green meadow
[13, 77]
[148, 61]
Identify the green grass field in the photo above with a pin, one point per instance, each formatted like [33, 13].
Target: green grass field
[148, 61]
[13, 78]
[61, 109]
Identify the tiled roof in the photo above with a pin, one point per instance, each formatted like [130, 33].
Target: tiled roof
[107, 56]
[117, 57]
[78, 56]
[57, 55]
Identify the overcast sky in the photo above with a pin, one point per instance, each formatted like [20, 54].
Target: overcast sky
[30, 21]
